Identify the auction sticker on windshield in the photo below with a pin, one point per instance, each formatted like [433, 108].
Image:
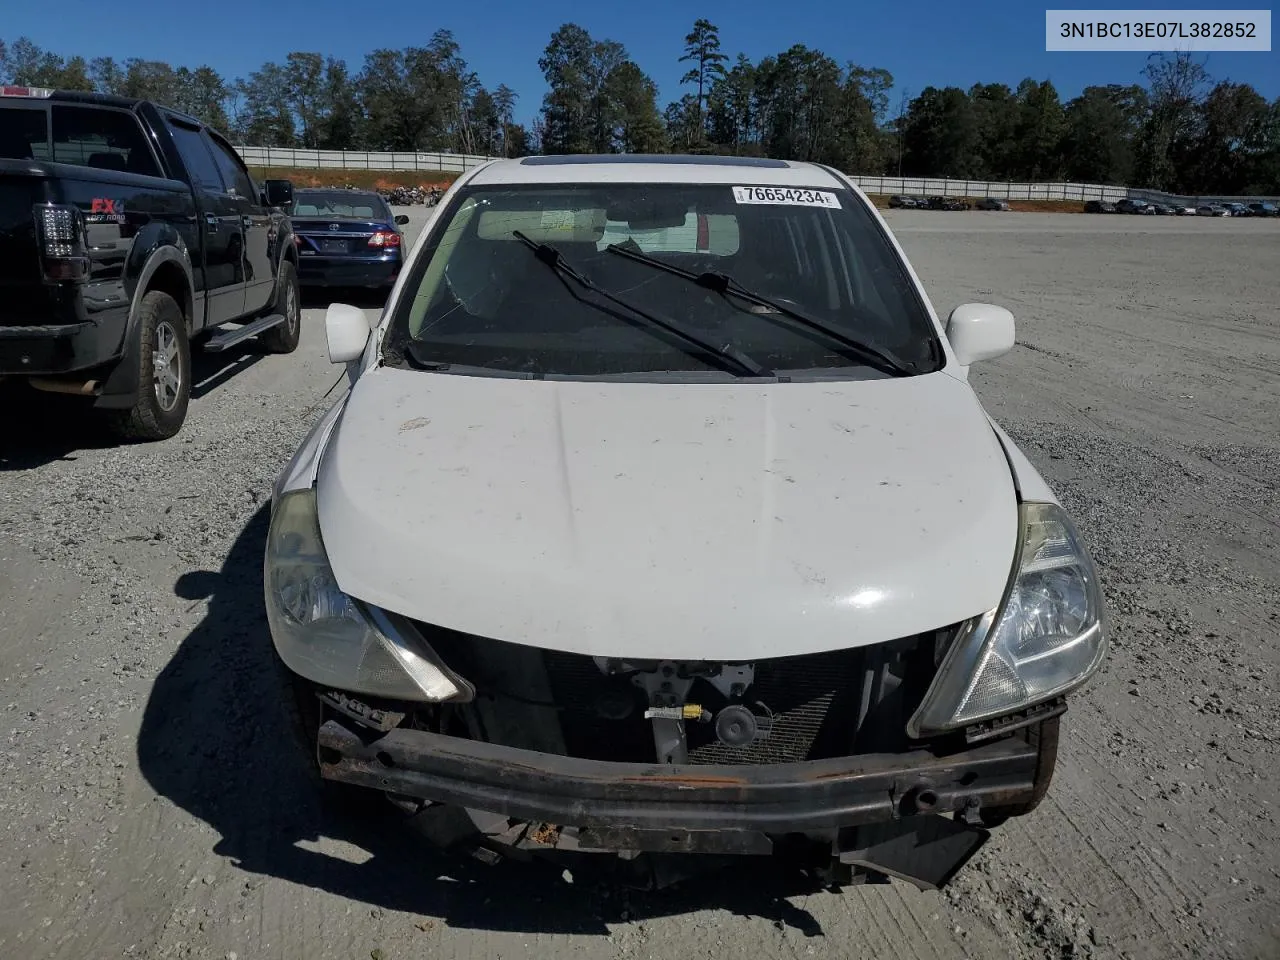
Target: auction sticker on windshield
[799, 196]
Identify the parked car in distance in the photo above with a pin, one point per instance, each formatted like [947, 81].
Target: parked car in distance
[1099, 206]
[902, 202]
[948, 203]
[1135, 206]
[1264, 209]
[517, 579]
[346, 238]
[1236, 209]
[129, 233]
[1212, 210]
[991, 203]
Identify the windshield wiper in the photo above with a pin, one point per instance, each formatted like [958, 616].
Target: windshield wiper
[464, 369]
[736, 361]
[727, 286]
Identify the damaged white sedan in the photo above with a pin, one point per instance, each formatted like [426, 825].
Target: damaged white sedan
[661, 517]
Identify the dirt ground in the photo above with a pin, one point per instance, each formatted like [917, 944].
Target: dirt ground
[151, 807]
[364, 179]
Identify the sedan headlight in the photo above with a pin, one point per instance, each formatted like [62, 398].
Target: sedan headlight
[1048, 635]
[328, 637]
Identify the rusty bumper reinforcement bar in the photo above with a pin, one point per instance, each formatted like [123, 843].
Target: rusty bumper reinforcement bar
[815, 796]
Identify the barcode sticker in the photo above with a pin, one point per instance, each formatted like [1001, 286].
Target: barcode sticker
[796, 196]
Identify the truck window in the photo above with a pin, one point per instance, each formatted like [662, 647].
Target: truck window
[24, 133]
[107, 139]
[195, 154]
[233, 172]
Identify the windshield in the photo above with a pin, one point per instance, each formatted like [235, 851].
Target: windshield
[307, 203]
[480, 298]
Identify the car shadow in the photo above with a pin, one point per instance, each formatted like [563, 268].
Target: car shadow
[56, 427]
[215, 741]
[49, 427]
[209, 371]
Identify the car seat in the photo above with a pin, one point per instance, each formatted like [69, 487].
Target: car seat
[108, 161]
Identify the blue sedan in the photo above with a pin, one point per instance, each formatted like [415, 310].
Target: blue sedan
[346, 238]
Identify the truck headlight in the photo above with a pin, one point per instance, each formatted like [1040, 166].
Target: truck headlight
[328, 637]
[1048, 635]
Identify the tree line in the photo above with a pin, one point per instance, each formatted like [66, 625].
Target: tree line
[1175, 128]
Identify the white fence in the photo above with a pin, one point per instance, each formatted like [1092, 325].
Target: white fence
[427, 163]
[292, 158]
[929, 186]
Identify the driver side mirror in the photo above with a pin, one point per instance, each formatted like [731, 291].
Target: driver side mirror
[346, 329]
[979, 331]
[279, 193]
[401, 219]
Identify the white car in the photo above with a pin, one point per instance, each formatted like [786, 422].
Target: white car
[661, 516]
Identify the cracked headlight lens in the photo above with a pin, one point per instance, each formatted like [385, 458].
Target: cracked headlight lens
[326, 636]
[1048, 636]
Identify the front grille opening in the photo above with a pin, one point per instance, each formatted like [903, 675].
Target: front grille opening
[825, 705]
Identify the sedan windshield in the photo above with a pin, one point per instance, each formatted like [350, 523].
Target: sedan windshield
[307, 203]
[795, 281]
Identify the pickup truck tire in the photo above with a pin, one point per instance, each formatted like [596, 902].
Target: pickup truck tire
[284, 338]
[164, 362]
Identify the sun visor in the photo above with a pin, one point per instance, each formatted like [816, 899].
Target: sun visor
[566, 225]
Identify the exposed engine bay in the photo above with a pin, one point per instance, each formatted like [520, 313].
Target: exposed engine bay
[673, 702]
[778, 710]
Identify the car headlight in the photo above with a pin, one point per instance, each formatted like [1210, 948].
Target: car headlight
[1048, 635]
[328, 637]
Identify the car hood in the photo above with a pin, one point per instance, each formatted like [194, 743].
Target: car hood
[674, 521]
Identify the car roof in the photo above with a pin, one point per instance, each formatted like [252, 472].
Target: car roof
[654, 168]
[88, 98]
[339, 191]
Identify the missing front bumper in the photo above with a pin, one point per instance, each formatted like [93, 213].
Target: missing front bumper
[868, 811]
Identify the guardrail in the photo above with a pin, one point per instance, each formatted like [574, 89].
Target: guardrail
[299, 159]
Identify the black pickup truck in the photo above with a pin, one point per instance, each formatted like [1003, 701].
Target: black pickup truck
[128, 233]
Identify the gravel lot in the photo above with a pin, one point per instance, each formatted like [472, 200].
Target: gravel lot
[150, 806]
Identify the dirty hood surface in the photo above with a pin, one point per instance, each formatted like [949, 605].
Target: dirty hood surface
[685, 521]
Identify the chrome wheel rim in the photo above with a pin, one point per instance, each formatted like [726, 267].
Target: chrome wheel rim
[167, 366]
[292, 314]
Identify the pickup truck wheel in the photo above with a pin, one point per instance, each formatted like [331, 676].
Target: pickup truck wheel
[1045, 737]
[164, 380]
[284, 337]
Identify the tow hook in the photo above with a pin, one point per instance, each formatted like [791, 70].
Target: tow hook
[971, 814]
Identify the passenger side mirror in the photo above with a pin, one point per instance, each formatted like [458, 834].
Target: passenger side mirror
[347, 330]
[401, 219]
[279, 193]
[979, 331]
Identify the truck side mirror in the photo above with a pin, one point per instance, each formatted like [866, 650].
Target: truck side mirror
[279, 192]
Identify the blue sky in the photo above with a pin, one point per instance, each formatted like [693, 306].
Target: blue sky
[923, 43]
